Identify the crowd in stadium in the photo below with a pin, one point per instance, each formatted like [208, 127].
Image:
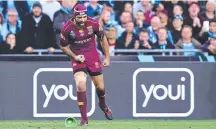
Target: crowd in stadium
[148, 24]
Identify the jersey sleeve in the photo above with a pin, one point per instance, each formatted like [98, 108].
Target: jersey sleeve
[64, 38]
[99, 31]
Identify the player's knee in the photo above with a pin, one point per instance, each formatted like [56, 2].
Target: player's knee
[81, 86]
[80, 83]
[100, 87]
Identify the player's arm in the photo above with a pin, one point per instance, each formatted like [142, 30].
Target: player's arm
[64, 46]
[68, 51]
[103, 40]
[105, 46]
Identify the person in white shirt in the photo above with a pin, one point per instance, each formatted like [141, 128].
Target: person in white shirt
[50, 7]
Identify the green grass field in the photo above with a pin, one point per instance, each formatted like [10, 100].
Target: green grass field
[115, 124]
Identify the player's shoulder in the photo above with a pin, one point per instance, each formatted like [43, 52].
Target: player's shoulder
[67, 25]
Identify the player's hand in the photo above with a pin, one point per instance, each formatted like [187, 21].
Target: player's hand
[29, 50]
[79, 58]
[106, 62]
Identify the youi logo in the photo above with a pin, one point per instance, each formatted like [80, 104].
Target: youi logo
[163, 92]
[54, 93]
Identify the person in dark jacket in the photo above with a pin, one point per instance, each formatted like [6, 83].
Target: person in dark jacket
[61, 16]
[10, 45]
[37, 31]
[162, 42]
[210, 45]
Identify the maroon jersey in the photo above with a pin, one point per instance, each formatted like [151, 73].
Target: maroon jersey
[81, 40]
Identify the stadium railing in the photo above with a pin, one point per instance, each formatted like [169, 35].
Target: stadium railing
[171, 52]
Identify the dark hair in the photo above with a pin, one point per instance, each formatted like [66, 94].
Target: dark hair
[9, 34]
[140, 11]
[164, 28]
[143, 31]
[212, 20]
[187, 26]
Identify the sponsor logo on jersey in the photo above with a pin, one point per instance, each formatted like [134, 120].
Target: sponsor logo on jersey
[81, 32]
[82, 41]
[90, 30]
[96, 64]
[72, 35]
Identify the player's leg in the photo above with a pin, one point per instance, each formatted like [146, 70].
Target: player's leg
[98, 80]
[80, 79]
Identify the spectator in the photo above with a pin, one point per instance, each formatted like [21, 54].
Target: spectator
[13, 25]
[209, 12]
[210, 46]
[19, 6]
[162, 42]
[194, 19]
[154, 26]
[163, 15]
[177, 27]
[94, 8]
[149, 14]
[170, 5]
[143, 5]
[121, 6]
[158, 8]
[50, 7]
[143, 42]
[10, 45]
[62, 16]
[128, 37]
[105, 18]
[111, 34]
[1, 25]
[177, 10]
[187, 42]
[139, 21]
[30, 3]
[208, 31]
[109, 7]
[128, 8]
[37, 31]
[124, 19]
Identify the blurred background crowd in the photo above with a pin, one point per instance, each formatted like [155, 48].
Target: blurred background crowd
[146, 24]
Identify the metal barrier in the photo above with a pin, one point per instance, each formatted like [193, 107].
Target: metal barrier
[170, 51]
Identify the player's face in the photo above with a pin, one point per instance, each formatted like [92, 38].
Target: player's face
[81, 20]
